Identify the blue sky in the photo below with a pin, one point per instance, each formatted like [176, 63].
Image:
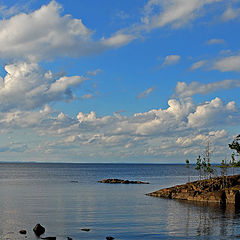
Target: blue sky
[123, 81]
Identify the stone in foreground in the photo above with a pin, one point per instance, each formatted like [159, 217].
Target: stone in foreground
[112, 180]
[222, 190]
[23, 231]
[39, 229]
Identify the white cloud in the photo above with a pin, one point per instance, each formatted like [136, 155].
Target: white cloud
[210, 113]
[198, 65]
[27, 86]
[201, 139]
[227, 64]
[51, 35]
[215, 41]
[117, 40]
[171, 60]
[184, 90]
[155, 133]
[146, 93]
[230, 14]
[172, 12]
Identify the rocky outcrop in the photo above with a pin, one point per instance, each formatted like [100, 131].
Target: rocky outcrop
[110, 180]
[222, 190]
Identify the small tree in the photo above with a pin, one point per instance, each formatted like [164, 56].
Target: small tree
[223, 167]
[199, 166]
[207, 160]
[204, 167]
[233, 162]
[235, 145]
[188, 167]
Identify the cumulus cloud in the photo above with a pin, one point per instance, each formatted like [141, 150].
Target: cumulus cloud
[171, 60]
[51, 35]
[27, 86]
[213, 112]
[156, 132]
[215, 41]
[230, 13]
[184, 90]
[146, 93]
[201, 138]
[228, 64]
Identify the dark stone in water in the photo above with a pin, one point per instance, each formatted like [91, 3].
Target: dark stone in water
[74, 181]
[110, 180]
[39, 229]
[69, 238]
[85, 229]
[23, 231]
[110, 238]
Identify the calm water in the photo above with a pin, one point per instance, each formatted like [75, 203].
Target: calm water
[44, 193]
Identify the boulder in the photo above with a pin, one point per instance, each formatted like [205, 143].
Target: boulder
[23, 231]
[110, 238]
[39, 229]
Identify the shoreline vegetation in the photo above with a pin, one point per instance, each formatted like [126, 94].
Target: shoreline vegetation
[223, 190]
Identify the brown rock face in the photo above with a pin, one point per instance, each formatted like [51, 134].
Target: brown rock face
[220, 190]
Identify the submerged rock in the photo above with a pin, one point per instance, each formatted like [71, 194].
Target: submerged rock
[222, 190]
[23, 231]
[110, 238]
[112, 180]
[39, 229]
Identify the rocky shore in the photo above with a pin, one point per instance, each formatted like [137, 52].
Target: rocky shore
[222, 190]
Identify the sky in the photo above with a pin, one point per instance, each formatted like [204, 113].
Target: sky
[149, 81]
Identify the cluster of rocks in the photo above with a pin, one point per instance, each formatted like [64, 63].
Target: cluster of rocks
[39, 230]
[113, 180]
[221, 190]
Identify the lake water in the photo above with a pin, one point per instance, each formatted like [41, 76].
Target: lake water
[44, 193]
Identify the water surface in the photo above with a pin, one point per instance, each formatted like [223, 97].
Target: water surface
[44, 193]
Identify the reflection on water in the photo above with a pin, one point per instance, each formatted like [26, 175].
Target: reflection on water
[45, 193]
[205, 220]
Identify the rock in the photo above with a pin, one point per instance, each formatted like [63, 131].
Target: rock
[110, 180]
[39, 229]
[85, 229]
[23, 232]
[49, 238]
[220, 190]
[69, 238]
[73, 181]
[110, 238]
